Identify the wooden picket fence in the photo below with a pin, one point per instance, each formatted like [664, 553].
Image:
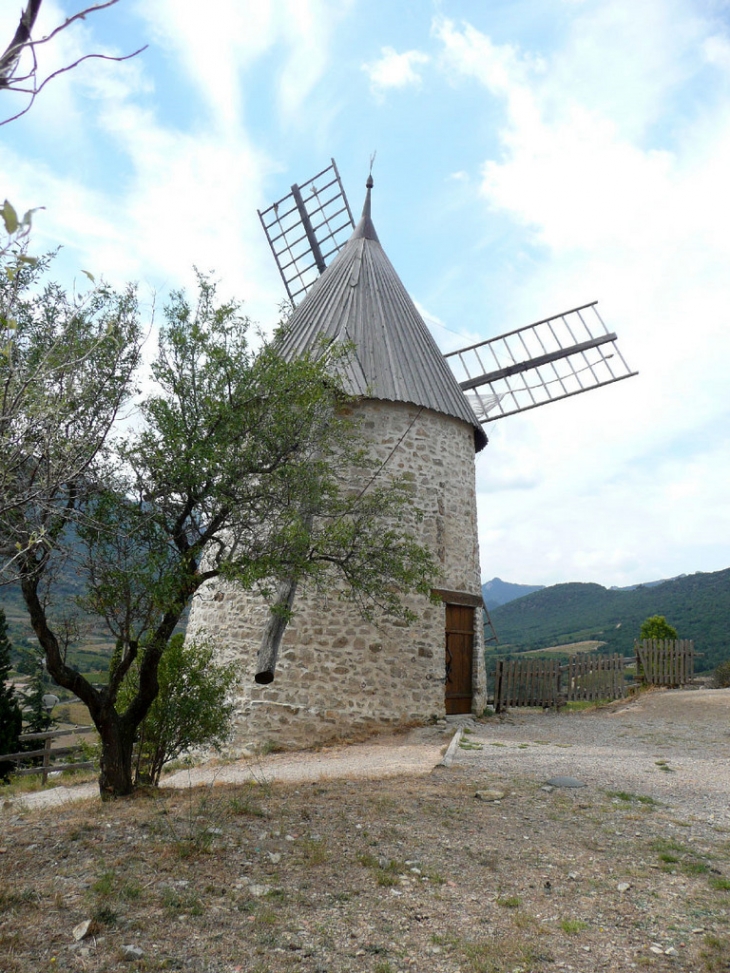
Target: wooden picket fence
[49, 753]
[526, 682]
[665, 662]
[548, 683]
[593, 677]
[586, 676]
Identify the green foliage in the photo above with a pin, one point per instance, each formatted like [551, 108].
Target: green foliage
[65, 368]
[722, 675]
[11, 719]
[242, 467]
[657, 627]
[36, 716]
[17, 231]
[192, 708]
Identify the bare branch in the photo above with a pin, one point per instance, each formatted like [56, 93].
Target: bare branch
[11, 55]
[22, 41]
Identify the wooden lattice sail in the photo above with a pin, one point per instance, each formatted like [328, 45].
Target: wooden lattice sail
[552, 359]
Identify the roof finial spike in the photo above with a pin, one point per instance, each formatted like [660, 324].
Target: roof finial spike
[369, 185]
[365, 228]
[366, 207]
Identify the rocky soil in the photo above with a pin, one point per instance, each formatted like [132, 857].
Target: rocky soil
[480, 867]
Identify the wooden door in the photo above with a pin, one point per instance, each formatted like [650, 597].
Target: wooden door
[459, 658]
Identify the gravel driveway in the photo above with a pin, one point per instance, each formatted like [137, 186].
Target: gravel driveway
[672, 745]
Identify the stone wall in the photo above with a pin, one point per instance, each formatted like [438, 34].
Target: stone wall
[338, 674]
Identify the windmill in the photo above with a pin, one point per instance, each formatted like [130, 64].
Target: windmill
[421, 416]
[560, 356]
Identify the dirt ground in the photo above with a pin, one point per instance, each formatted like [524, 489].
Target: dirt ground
[474, 868]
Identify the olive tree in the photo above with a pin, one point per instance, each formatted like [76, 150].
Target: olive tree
[239, 466]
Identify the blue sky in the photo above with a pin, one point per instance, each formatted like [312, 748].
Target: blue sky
[530, 157]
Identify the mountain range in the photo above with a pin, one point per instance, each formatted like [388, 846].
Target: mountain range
[697, 605]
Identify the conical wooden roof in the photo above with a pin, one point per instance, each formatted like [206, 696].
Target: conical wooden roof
[359, 299]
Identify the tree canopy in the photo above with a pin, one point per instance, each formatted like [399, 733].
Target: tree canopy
[657, 627]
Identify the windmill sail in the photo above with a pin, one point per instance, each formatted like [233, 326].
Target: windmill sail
[552, 359]
[306, 228]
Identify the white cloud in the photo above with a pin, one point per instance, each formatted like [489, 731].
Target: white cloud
[218, 50]
[618, 177]
[716, 50]
[393, 70]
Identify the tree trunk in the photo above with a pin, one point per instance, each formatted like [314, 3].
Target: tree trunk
[115, 770]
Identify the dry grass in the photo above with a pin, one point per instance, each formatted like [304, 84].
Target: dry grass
[375, 876]
[569, 649]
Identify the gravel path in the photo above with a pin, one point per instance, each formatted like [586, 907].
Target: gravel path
[671, 745]
[411, 754]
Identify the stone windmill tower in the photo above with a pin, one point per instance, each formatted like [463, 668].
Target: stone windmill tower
[422, 414]
[337, 672]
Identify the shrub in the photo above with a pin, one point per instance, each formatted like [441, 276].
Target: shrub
[722, 675]
[657, 627]
[192, 708]
[11, 719]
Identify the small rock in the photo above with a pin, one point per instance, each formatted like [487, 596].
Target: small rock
[657, 950]
[565, 782]
[274, 857]
[258, 890]
[491, 796]
[573, 876]
[130, 953]
[623, 886]
[547, 788]
[86, 928]
[671, 951]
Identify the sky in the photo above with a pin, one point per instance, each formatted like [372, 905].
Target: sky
[530, 157]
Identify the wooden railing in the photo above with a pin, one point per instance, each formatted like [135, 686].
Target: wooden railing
[49, 753]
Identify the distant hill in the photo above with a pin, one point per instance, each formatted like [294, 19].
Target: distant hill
[497, 592]
[697, 605]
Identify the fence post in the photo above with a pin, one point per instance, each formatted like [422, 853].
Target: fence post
[498, 686]
[46, 758]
